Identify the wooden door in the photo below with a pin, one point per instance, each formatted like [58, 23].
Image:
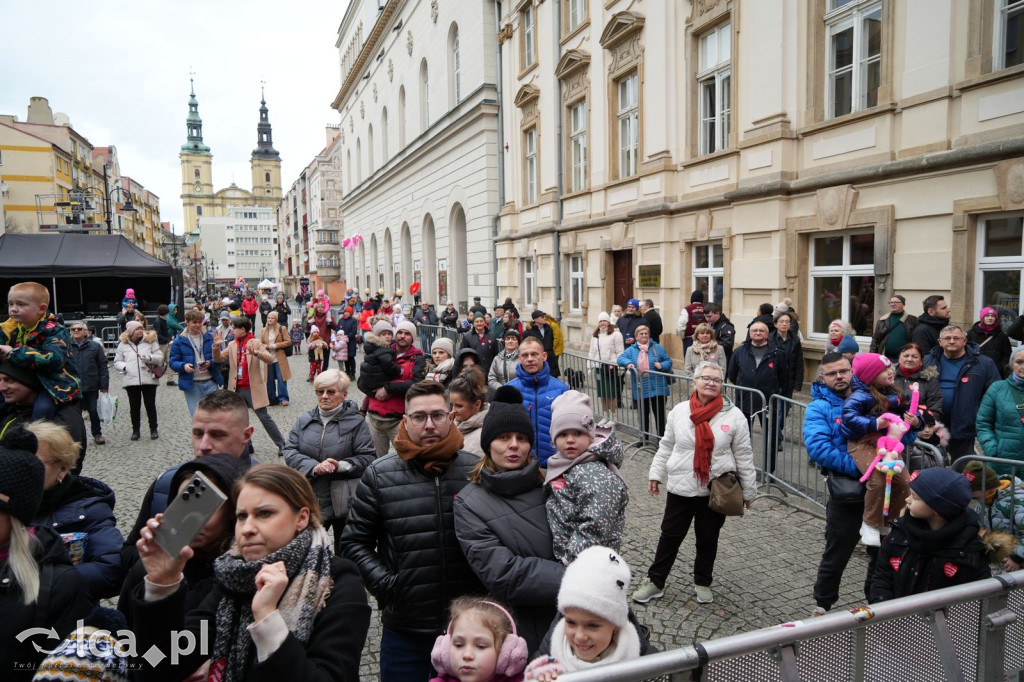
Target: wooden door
[622, 267]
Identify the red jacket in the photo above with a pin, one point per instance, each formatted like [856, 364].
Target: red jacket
[364, 319]
[250, 306]
[414, 368]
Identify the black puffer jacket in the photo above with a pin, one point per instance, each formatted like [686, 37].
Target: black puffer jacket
[91, 361]
[346, 437]
[401, 535]
[995, 344]
[486, 349]
[914, 558]
[62, 600]
[926, 333]
[769, 377]
[502, 526]
[378, 366]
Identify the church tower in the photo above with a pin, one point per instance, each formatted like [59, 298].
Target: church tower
[196, 167]
[265, 162]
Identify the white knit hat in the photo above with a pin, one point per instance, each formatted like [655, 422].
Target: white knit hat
[382, 326]
[598, 583]
[603, 317]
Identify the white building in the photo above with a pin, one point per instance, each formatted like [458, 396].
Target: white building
[418, 107]
[830, 151]
[241, 244]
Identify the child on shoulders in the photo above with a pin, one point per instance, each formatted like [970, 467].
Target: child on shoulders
[36, 340]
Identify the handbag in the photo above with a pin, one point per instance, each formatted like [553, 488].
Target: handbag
[342, 492]
[726, 495]
[289, 349]
[844, 488]
[158, 370]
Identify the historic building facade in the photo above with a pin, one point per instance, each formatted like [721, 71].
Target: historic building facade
[829, 151]
[197, 190]
[418, 108]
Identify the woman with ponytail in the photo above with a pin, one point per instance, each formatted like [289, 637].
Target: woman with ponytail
[39, 587]
[284, 607]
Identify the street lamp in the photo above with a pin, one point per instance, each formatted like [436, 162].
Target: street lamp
[128, 206]
[174, 243]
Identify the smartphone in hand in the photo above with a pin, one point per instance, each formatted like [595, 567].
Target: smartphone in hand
[188, 513]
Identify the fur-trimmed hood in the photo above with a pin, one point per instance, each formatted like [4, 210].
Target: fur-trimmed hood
[149, 336]
[377, 341]
[998, 544]
[929, 373]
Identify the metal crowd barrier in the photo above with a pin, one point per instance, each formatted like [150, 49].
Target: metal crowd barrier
[973, 631]
[430, 333]
[788, 470]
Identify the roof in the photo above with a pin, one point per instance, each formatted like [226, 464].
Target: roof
[76, 255]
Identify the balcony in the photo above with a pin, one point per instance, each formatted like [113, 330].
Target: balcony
[327, 240]
[328, 267]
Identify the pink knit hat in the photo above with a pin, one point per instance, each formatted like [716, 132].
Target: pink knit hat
[988, 311]
[867, 366]
[572, 410]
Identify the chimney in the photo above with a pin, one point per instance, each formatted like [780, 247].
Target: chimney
[39, 111]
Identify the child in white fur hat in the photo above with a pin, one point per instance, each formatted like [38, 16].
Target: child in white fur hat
[587, 501]
[594, 625]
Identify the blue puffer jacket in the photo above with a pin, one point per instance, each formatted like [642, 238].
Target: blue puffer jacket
[652, 384]
[825, 444]
[539, 391]
[84, 505]
[976, 375]
[860, 414]
[182, 354]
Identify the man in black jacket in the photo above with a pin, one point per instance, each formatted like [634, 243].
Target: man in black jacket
[401, 533]
[653, 319]
[480, 340]
[936, 316]
[450, 316]
[628, 323]
[725, 331]
[477, 307]
[761, 366]
[425, 315]
[91, 361]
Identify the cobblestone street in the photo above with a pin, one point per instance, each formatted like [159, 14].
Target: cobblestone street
[764, 573]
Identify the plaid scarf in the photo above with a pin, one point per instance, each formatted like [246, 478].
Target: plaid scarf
[307, 560]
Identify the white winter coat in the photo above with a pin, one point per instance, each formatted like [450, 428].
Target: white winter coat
[607, 347]
[673, 463]
[136, 362]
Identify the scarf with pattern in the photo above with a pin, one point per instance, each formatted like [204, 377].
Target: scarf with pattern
[307, 560]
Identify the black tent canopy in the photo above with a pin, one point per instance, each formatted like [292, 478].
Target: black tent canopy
[85, 273]
[76, 255]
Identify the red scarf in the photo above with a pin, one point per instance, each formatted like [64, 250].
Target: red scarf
[908, 373]
[704, 438]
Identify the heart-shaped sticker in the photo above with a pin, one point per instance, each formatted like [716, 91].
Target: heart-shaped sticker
[950, 570]
[725, 428]
[895, 563]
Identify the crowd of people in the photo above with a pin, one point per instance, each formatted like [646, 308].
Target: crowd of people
[473, 493]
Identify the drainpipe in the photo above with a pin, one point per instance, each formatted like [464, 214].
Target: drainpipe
[560, 160]
[496, 224]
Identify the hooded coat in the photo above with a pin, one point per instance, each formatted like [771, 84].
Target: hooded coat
[999, 427]
[378, 366]
[85, 505]
[182, 353]
[926, 333]
[44, 348]
[825, 443]
[346, 436]
[995, 344]
[501, 523]
[62, 600]
[539, 391]
[136, 361]
[914, 558]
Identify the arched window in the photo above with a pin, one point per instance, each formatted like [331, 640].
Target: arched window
[369, 150]
[266, 177]
[384, 136]
[199, 210]
[359, 161]
[454, 67]
[196, 171]
[424, 96]
[348, 169]
[401, 117]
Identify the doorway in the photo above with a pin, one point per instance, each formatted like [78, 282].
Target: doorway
[622, 274]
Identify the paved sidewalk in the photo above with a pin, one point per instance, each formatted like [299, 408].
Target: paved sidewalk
[766, 562]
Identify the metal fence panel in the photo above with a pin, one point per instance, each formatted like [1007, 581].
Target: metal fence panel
[791, 472]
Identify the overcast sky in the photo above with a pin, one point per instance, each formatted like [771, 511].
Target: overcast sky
[120, 72]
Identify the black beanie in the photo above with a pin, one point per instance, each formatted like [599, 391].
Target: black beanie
[697, 296]
[23, 375]
[21, 475]
[504, 418]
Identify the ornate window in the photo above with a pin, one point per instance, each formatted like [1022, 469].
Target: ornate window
[622, 39]
[714, 78]
[842, 281]
[628, 115]
[578, 144]
[853, 55]
[530, 165]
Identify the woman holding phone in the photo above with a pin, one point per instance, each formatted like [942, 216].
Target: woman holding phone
[283, 607]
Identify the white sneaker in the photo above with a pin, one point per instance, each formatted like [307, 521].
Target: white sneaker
[704, 594]
[870, 536]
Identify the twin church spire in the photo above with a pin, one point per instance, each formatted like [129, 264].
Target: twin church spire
[194, 125]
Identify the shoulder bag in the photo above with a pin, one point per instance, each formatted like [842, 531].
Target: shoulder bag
[844, 489]
[726, 495]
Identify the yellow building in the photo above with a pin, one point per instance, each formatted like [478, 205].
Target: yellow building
[30, 166]
[197, 194]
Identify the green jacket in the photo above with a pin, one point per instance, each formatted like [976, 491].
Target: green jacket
[1000, 429]
[44, 349]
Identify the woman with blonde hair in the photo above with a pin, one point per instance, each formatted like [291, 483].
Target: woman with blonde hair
[284, 607]
[704, 349]
[80, 509]
[605, 348]
[276, 339]
[40, 586]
